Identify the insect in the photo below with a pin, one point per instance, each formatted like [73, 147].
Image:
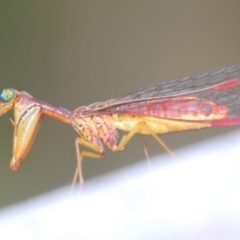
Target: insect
[200, 101]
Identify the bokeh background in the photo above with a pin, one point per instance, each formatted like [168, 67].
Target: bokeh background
[74, 53]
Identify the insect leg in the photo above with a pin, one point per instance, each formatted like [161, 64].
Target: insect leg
[99, 154]
[137, 129]
[145, 150]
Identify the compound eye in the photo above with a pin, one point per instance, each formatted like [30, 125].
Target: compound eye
[7, 95]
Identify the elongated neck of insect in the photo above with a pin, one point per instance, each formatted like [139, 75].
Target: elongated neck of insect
[57, 112]
[24, 99]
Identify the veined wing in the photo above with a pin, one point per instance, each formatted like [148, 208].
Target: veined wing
[221, 87]
[180, 86]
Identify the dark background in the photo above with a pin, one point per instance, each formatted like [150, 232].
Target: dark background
[75, 53]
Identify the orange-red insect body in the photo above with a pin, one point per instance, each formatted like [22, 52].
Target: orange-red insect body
[195, 102]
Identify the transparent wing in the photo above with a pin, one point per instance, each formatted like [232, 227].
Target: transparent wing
[220, 86]
[181, 86]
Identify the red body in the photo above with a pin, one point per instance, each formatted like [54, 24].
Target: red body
[200, 101]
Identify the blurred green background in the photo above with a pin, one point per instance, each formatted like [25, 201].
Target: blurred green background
[74, 53]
